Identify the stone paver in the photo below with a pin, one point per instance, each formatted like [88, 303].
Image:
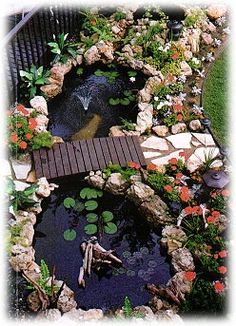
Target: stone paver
[164, 159]
[151, 154]
[205, 139]
[182, 140]
[199, 156]
[155, 142]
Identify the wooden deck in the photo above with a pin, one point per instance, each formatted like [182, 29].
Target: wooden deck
[72, 158]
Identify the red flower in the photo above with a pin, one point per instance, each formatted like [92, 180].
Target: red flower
[32, 123]
[197, 210]
[215, 214]
[190, 276]
[179, 175]
[184, 197]
[179, 117]
[23, 145]
[223, 253]
[175, 56]
[28, 136]
[14, 138]
[173, 161]
[168, 188]
[225, 193]
[182, 154]
[178, 107]
[211, 219]
[19, 125]
[188, 210]
[215, 256]
[151, 167]
[222, 269]
[219, 287]
[22, 109]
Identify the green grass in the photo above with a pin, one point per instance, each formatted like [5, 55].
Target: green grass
[215, 97]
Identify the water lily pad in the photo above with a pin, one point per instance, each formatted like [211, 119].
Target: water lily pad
[107, 216]
[90, 193]
[99, 73]
[141, 273]
[79, 71]
[110, 228]
[144, 250]
[124, 101]
[131, 260]
[130, 273]
[91, 217]
[91, 205]
[69, 202]
[137, 255]
[69, 235]
[152, 263]
[121, 270]
[126, 254]
[132, 73]
[114, 101]
[79, 206]
[90, 229]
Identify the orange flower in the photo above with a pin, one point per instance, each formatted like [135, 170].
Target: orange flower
[179, 175]
[175, 56]
[151, 167]
[22, 109]
[28, 136]
[188, 210]
[168, 188]
[190, 276]
[19, 125]
[173, 161]
[14, 138]
[179, 117]
[182, 154]
[211, 219]
[134, 165]
[225, 193]
[209, 247]
[219, 287]
[32, 123]
[223, 253]
[215, 214]
[197, 210]
[178, 107]
[222, 269]
[184, 189]
[184, 197]
[23, 145]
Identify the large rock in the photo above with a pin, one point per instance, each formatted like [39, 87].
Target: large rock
[96, 181]
[168, 315]
[195, 124]
[21, 167]
[156, 212]
[216, 11]
[42, 123]
[182, 260]
[45, 188]
[39, 104]
[194, 40]
[186, 70]
[21, 256]
[49, 314]
[51, 90]
[27, 233]
[105, 50]
[150, 70]
[161, 130]
[144, 121]
[92, 55]
[181, 140]
[207, 38]
[22, 216]
[180, 284]
[140, 192]
[154, 142]
[146, 312]
[178, 127]
[115, 131]
[66, 301]
[172, 238]
[116, 184]
[79, 315]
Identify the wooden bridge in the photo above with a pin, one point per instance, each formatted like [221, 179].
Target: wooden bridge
[72, 158]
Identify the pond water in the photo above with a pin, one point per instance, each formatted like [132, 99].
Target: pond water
[83, 111]
[135, 243]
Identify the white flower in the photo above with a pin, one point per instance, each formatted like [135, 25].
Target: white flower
[203, 59]
[132, 79]
[220, 21]
[201, 73]
[195, 60]
[196, 91]
[226, 30]
[161, 48]
[182, 78]
[182, 96]
[169, 97]
[197, 109]
[209, 57]
[217, 42]
[156, 98]
[155, 121]
[138, 34]
[54, 37]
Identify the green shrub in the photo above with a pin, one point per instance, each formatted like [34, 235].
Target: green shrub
[119, 15]
[43, 139]
[126, 172]
[158, 180]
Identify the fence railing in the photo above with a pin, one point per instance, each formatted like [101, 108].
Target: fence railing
[26, 43]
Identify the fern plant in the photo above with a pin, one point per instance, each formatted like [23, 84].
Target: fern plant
[129, 311]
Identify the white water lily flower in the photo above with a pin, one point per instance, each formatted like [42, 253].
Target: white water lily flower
[132, 79]
[197, 109]
[217, 42]
[210, 57]
[156, 98]
[196, 91]
[227, 30]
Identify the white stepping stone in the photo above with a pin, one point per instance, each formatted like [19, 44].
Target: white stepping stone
[199, 156]
[195, 143]
[151, 154]
[205, 139]
[155, 142]
[165, 159]
[182, 140]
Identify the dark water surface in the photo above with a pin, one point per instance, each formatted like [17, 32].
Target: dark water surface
[135, 243]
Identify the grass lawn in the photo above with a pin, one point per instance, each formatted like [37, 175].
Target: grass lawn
[215, 97]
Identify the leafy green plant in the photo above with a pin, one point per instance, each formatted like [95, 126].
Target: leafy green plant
[20, 199]
[32, 79]
[127, 125]
[104, 221]
[132, 73]
[219, 203]
[126, 100]
[94, 23]
[90, 193]
[80, 71]
[158, 180]
[119, 15]
[126, 172]
[129, 311]
[62, 49]
[43, 139]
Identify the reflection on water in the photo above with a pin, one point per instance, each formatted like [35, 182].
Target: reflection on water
[89, 130]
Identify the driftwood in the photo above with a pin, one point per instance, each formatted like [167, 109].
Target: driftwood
[95, 256]
[165, 292]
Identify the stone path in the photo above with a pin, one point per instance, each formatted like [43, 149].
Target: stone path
[196, 147]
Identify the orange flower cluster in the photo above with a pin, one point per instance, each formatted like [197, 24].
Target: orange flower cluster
[219, 287]
[134, 165]
[189, 276]
[184, 194]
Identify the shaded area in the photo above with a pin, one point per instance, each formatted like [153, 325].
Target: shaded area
[67, 112]
[135, 243]
[215, 95]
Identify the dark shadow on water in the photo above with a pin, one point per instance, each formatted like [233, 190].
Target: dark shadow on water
[135, 243]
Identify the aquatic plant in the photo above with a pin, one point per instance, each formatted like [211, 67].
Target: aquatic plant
[104, 222]
[90, 193]
[32, 79]
[127, 98]
[62, 49]
[110, 75]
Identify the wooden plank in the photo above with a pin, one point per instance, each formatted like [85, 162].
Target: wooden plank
[65, 159]
[119, 151]
[52, 165]
[45, 163]
[138, 150]
[125, 148]
[92, 154]
[72, 159]
[58, 160]
[79, 156]
[105, 151]
[132, 149]
[112, 150]
[99, 153]
[86, 156]
[37, 164]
